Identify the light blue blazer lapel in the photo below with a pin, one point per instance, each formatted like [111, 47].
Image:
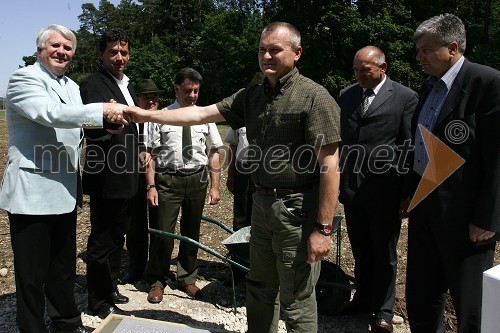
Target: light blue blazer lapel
[74, 92]
[54, 84]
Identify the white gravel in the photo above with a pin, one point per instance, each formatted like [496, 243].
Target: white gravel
[214, 312]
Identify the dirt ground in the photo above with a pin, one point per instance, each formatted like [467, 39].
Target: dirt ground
[211, 235]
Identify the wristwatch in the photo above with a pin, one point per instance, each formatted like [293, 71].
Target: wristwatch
[150, 186]
[325, 229]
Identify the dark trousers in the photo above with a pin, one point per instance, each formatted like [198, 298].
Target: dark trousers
[373, 227]
[137, 235]
[109, 219]
[242, 205]
[442, 258]
[174, 193]
[45, 264]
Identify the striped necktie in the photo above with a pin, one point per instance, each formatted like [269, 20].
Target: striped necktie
[365, 102]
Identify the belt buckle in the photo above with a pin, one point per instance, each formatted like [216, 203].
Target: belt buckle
[267, 191]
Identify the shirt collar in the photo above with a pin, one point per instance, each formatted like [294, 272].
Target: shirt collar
[283, 82]
[123, 81]
[175, 105]
[378, 86]
[449, 77]
[57, 78]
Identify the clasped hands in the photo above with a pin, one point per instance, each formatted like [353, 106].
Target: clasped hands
[122, 114]
[113, 113]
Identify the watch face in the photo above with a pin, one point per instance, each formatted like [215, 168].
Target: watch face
[325, 229]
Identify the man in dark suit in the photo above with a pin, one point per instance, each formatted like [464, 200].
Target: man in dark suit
[450, 236]
[111, 175]
[375, 122]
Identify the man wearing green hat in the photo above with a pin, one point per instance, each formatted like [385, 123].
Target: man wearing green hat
[137, 236]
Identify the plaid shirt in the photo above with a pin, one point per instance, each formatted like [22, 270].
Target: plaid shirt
[284, 125]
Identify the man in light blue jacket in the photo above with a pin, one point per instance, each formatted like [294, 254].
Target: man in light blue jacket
[41, 186]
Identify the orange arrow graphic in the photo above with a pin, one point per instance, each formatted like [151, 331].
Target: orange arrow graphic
[443, 162]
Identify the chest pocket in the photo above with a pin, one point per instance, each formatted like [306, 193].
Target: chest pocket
[199, 134]
[286, 129]
[168, 132]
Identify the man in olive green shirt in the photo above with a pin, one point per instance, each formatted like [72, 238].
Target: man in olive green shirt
[293, 129]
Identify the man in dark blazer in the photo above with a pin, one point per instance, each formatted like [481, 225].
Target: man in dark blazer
[375, 123]
[111, 175]
[451, 231]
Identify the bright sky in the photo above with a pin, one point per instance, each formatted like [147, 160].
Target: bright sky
[20, 21]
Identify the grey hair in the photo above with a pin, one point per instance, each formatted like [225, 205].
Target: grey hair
[447, 28]
[44, 35]
[294, 32]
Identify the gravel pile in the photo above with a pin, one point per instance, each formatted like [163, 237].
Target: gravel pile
[214, 312]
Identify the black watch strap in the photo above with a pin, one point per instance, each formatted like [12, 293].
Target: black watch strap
[325, 229]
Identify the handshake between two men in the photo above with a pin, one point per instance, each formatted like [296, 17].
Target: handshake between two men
[117, 113]
[113, 113]
[186, 116]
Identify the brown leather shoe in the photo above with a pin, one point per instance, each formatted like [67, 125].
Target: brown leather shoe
[382, 326]
[192, 290]
[155, 295]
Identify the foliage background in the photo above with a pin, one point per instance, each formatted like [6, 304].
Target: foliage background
[219, 38]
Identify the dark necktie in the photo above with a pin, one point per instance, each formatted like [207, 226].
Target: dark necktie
[186, 144]
[365, 102]
[142, 136]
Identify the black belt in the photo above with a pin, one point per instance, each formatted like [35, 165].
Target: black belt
[283, 191]
[184, 173]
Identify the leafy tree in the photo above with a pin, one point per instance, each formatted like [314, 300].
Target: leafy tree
[225, 51]
[29, 60]
[97, 21]
[155, 61]
[220, 37]
[481, 19]
[488, 51]
[332, 31]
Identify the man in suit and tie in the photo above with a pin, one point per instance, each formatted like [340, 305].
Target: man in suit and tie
[111, 175]
[450, 234]
[41, 186]
[375, 120]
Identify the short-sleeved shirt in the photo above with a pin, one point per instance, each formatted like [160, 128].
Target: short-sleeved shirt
[284, 125]
[239, 139]
[166, 141]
